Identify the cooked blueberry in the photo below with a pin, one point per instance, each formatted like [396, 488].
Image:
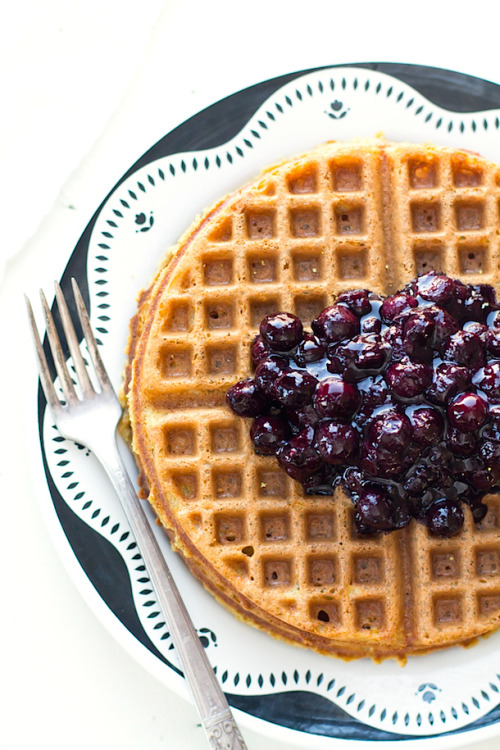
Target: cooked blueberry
[375, 510]
[354, 479]
[476, 303]
[336, 323]
[245, 399]
[363, 355]
[427, 425]
[336, 398]
[480, 329]
[418, 336]
[449, 379]
[268, 370]
[281, 331]
[478, 474]
[445, 518]
[490, 453]
[294, 388]
[424, 330]
[487, 379]
[437, 342]
[268, 434]
[310, 349]
[298, 457]
[371, 324]
[391, 431]
[395, 305]
[392, 337]
[408, 379]
[381, 462]
[436, 287]
[374, 391]
[464, 348]
[462, 443]
[336, 443]
[321, 482]
[492, 339]
[305, 416]
[357, 300]
[467, 412]
[259, 350]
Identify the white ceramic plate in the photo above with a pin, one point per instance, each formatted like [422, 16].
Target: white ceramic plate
[441, 700]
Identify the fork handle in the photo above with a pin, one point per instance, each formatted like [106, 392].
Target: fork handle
[216, 717]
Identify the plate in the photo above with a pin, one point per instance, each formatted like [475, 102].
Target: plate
[444, 699]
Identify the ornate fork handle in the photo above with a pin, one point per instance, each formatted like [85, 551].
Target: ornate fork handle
[215, 714]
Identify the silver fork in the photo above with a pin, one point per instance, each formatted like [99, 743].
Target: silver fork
[91, 419]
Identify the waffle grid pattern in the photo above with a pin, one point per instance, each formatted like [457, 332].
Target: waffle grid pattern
[302, 556]
[287, 243]
[459, 578]
[447, 216]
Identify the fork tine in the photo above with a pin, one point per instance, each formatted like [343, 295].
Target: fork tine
[57, 353]
[43, 368]
[74, 348]
[100, 370]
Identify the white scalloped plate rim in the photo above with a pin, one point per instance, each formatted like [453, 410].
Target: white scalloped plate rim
[334, 103]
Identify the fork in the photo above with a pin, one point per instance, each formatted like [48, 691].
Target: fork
[91, 418]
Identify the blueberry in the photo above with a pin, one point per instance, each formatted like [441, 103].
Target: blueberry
[371, 324]
[490, 452]
[336, 443]
[391, 431]
[492, 340]
[375, 511]
[408, 379]
[427, 425]
[381, 462]
[336, 323]
[267, 372]
[310, 349]
[462, 443]
[445, 518]
[294, 388]
[480, 329]
[357, 300]
[478, 474]
[281, 331]
[467, 412]
[464, 348]
[418, 336]
[436, 287]
[305, 416]
[374, 392]
[268, 434]
[298, 457]
[395, 305]
[363, 355]
[245, 399]
[259, 350]
[336, 398]
[487, 379]
[424, 330]
[449, 379]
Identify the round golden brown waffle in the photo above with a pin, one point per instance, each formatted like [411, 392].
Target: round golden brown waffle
[362, 214]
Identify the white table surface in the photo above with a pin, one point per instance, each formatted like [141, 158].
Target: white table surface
[87, 87]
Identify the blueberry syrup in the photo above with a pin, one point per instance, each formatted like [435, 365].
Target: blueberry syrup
[396, 398]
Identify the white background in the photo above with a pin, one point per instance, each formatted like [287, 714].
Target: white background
[86, 87]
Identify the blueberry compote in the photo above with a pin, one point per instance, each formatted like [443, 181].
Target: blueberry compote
[398, 398]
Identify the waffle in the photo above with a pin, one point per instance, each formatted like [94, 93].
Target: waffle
[367, 214]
